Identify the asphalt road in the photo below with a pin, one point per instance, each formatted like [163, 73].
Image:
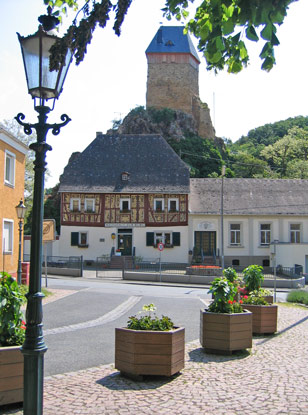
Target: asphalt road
[79, 329]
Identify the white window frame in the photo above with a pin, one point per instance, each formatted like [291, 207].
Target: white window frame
[266, 233]
[7, 246]
[12, 157]
[296, 232]
[177, 204]
[236, 232]
[124, 199]
[161, 237]
[72, 203]
[89, 205]
[160, 199]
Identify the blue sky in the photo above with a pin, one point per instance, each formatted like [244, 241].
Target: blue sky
[112, 79]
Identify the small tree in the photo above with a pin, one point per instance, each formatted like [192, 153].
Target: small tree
[253, 276]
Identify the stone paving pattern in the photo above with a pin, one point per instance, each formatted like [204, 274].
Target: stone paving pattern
[271, 379]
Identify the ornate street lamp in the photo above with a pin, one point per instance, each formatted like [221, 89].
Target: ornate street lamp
[21, 211]
[43, 85]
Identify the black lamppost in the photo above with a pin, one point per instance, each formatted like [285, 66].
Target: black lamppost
[20, 210]
[43, 85]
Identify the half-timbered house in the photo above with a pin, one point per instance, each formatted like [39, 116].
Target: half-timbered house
[123, 195]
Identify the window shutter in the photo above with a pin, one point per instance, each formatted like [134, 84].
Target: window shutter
[74, 238]
[176, 238]
[150, 239]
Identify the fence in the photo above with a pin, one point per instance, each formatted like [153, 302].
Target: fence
[58, 264]
[155, 265]
[281, 272]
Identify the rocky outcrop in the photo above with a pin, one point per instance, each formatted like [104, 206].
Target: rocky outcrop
[168, 123]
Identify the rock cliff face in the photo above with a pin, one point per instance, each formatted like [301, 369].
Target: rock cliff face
[168, 123]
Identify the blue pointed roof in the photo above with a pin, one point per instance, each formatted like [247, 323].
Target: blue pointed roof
[171, 39]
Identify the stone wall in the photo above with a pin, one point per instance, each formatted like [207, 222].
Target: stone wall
[173, 82]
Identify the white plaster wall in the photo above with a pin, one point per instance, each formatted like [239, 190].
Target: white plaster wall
[175, 254]
[96, 247]
[288, 255]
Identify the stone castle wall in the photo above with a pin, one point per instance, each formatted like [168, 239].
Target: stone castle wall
[173, 82]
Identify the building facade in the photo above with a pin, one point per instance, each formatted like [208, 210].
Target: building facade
[264, 221]
[124, 195]
[12, 178]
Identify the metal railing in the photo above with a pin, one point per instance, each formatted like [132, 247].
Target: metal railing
[155, 265]
[269, 272]
[73, 262]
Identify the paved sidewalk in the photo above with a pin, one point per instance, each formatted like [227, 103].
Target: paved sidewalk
[272, 379]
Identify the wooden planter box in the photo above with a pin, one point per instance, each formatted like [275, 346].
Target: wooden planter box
[225, 332]
[141, 352]
[264, 318]
[11, 375]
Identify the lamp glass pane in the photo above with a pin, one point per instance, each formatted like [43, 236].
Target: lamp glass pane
[30, 48]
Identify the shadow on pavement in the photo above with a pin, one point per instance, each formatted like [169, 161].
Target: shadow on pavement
[199, 355]
[116, 381]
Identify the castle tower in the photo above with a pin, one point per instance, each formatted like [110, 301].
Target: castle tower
[173, 77]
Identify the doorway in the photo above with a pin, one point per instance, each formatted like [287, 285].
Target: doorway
[205, 241]
[125, 241]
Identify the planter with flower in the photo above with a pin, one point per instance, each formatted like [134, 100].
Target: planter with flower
[256, 300]
[225, 326]
[149, 345]
[12, 334]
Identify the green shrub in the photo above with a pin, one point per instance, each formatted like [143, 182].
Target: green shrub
[12, 327]
[253, 276]
[149, 321]
[223, 292]
[230, 274]
[298, 296]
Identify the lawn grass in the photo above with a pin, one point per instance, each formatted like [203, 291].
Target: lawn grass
[298, 296]
[24, 289]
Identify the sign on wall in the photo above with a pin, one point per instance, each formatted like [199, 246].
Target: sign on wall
[206, 226]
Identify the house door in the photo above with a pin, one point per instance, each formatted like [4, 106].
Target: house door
[205, 241]
[125, 241]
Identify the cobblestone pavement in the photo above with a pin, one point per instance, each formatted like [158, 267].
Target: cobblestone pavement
[271, 379]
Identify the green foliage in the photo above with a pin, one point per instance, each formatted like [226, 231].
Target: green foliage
[12, 330]
[223, 292]
[222, 28]
[230, 274]
[255, 298]
[149, 321]
[253, 276]
[162, 115]
[298, 296]
[200, 154]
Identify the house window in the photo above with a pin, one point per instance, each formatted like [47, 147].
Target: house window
[169, 239]
[173, 205]
[9, 169]
[89, 205]
[125, 205]
[159, 205]
[164, 237]
[235, 262]
[235, 234]
[124, 176]
[265, 263]
[75, 205]
[295, 233]
[79, 239]
[7, 236]
[265, 233]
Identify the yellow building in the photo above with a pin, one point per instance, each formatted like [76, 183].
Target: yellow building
[12, 178]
